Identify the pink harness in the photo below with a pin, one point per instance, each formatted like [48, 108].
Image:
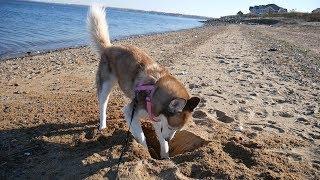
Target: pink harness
[149, 89]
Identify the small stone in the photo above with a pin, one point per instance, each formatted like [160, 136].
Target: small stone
[253, 94]
[239, 128]
[6, 109]
[273, 49]
[204, 84]
[221, 61]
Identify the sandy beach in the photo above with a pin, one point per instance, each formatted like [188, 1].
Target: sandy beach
[258, 117]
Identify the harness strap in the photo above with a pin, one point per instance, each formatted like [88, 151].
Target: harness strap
[149, 89]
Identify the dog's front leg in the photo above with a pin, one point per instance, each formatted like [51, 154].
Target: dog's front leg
[164, 146]
[135, 127]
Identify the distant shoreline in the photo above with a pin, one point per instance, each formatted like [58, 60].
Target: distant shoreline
[134, 10]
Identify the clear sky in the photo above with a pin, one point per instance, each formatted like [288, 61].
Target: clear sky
[210, 8]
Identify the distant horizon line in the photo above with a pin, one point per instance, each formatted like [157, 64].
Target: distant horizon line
[153, 11]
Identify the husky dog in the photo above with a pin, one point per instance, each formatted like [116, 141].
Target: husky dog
[156, 93]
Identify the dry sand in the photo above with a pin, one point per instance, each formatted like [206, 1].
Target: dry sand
[258, 117]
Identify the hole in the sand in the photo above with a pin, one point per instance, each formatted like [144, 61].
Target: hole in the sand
[183, 141]
[239, 152]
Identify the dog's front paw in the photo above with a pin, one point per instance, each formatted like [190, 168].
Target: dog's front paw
[101, 127]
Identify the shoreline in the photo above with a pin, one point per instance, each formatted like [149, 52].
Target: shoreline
[39, 52]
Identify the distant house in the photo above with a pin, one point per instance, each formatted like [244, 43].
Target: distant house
[266, 9]
[316, 10]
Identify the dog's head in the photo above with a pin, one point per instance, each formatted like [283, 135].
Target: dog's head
[173, 105]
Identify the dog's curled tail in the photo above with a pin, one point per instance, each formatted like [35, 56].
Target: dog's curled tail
[98, 28]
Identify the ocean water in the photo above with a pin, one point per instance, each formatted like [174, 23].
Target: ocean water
[32, 26]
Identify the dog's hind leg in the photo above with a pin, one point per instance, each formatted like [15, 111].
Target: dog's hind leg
[135, 127]
[103, 95]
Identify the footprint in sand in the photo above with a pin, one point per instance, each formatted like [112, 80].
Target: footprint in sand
[273, 126]
[257, 128]
[221, 116]
[199, 114]
[302, 120]
[240, 153]
[285, 114]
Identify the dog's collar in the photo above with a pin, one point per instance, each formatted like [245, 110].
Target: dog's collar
[149, 89]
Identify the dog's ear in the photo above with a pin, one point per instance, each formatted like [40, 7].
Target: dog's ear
[177, 105]
[192, 103]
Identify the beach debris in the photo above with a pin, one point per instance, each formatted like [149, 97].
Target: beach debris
[16, 92]
[27, 153]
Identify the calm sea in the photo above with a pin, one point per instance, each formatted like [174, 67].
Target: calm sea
[31, 26]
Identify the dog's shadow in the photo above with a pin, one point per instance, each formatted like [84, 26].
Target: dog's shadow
[45, 151]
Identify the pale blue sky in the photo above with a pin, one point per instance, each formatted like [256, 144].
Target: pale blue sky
[209, 8]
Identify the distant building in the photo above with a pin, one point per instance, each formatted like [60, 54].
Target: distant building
[266, 9]
[316, 10]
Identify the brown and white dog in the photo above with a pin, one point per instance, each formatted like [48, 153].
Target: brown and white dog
[130, 67]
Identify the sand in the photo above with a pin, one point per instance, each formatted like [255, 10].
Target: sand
[258, 116]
